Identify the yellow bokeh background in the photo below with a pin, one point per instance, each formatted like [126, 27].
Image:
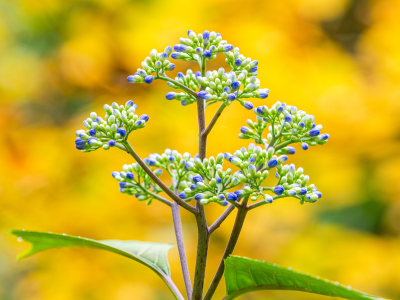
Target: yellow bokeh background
[338, 60]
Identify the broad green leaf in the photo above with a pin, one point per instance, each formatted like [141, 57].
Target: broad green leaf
[243, 275]
[152, 255]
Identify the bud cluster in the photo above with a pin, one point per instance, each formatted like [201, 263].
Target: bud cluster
[133, 180]
[118, 122]
[293, 183]
[191, 81]
[286, 125]
[240, 63]
[210, 183]
[156, 63]
[200, 46]
[221, 86]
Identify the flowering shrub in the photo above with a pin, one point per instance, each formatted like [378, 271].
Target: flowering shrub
[235, 180]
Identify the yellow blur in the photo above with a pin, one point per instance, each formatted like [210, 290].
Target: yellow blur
[60, 60]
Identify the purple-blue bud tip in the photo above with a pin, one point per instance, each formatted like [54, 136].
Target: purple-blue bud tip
[197, 179]
[248, 105]
[231, 196]
[130, 175]
[130, 79]
[273, 162]
[207, 53]
[144, 117]
[314, 132]
[111, 143]
[182, 195]
[198, 196]
[235, 85]
[244, 130]
[121, 131]
[148, 79]
[279, 190]
[304, 146]
[170, 95]
[238, 62]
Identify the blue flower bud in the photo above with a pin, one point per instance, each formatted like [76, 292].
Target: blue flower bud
[182, 195]
[175, 55]
[221, 197]
[197, 179]
[144, 117]
[319, 194]
[303, 191]
[248, 105]
[171, 158]
[207, 53]
[139, 123]
[180, 75]
[122, 184]
[302, 124]
[254, 69]
[238, 61]
[129, 103]
[227, 89]
[180, 48]
[279, 190]
[198, 196]
[268, 198]
[91, 141]
[224, 203]
[283, 158]
[130, 175]
[92, 132]
[148, 79]
[239, 193]
[121, 131]
[288, 119]
[235, 85]
[170, 95]
[244, 130]
[131, 78]
[324, 136]
[151, 162]
[111, 143]
[219, 180]
[193, 187]
[203, 95]
[80, 147]
[206, 35]
[260, 110]
[273, 162]
[115, 174]
[280, 109]
[263, 94]
[314, 132]
[79, 141]
[231, 196]
[228, 48]
[188, 165]
[304, 146]
[232, 97]
[290, 150]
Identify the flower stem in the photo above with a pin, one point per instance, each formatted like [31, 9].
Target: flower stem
[237, 227]
[221, 218]
[176, 216]
[202, 227]
[183, 87]
[171, 194]
[214, 120]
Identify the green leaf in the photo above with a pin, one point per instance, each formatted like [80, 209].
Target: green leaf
[243, 275]
[152, 255]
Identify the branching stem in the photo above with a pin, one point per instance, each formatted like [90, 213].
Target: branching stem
[127, 147]
[221, 218]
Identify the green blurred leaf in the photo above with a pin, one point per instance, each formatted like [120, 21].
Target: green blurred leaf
[243, 275]
[152, 255]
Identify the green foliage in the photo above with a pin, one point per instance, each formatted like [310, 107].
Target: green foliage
[244, 275]
[152, 255]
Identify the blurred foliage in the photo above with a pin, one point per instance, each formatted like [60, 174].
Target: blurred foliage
[59, 60]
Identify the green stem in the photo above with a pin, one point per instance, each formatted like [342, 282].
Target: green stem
[183, 87]
[127, 147]
[237, 228]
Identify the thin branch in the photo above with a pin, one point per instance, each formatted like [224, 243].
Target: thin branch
[156, 196]
[237, 228]
[183, 87]
[173, 288]
[176, 217]
[171, 194]
[214, 120]
[221, 219]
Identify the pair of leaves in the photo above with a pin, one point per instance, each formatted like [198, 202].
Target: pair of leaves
[242, 275]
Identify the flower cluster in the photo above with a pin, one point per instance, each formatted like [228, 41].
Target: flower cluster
[293, 183]
[197, 46]
[156, 63]
[210, 183]
[118, 122]
[221, 86]
[133, 180]
[240, 63]
[286, 125]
